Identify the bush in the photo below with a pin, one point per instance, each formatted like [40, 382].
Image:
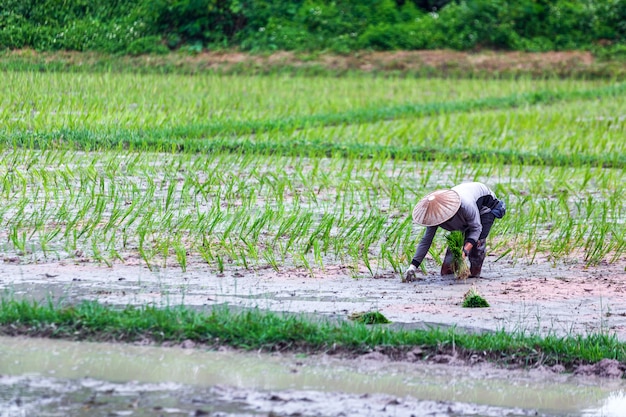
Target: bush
[615, 52]
[388, 37]
[151, 26]
[609, 20]
[147, 45]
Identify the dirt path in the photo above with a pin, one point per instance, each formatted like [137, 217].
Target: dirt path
[563, 299]
[424, 62]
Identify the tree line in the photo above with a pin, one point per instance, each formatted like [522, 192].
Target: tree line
[155, 26]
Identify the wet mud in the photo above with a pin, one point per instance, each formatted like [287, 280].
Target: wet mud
[542, 298]
[47, 377]
[54, 397]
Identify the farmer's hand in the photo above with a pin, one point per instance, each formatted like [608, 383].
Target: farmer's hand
[410, 274]
[467, 249]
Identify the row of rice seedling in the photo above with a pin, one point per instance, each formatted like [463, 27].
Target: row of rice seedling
[252, 211]
[575, 130]
[49, 100]
[244, 204]
[207, 105]
[446, 130]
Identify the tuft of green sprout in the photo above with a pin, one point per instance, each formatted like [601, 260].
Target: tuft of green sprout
[472, 299]
[456, 241]
[370, 317]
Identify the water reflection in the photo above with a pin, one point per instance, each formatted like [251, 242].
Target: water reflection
[613, 406]
[549, 395]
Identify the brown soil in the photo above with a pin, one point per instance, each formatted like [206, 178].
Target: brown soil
[427, 62]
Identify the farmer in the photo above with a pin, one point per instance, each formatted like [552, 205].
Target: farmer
[469, 207]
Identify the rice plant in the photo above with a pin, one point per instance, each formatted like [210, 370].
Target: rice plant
[456, 240]
[247, 172]
[473, 299]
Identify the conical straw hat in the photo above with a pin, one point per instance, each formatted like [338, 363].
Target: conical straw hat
[436, 207]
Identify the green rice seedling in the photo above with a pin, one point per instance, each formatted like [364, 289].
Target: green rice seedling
[96, 253]
[163, 246]
[170, 195]
[143, 249]
[285, 226]
[369, 317]
[365, 257]
[285, 178]
[251, 251]
[392, 258]
[473, 299]
[181, 254]
[18, 238]
[205, 251]
[220, 263]
[317, 253]
[46, 238]
[114, 254]
[455, 241]
[304, 262]
[270, 257]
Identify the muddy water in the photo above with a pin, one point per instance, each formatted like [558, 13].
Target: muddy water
[41, 377]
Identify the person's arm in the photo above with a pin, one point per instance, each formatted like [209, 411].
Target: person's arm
[424, 245]
[475, 227]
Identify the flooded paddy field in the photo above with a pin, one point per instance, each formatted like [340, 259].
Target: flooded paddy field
[56, 378]
[541, 289]
[294, 195]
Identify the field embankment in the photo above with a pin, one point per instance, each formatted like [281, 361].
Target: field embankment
[422, 63]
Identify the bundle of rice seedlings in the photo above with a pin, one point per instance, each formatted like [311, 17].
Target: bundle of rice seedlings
[472, 299]
[456, 240]
[370, 317]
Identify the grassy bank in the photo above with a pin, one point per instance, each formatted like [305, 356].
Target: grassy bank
[276, 332]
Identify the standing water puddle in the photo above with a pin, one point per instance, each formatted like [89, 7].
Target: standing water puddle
[43, 377]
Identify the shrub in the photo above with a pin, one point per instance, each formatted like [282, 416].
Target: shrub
[138, 26]
[147, 45]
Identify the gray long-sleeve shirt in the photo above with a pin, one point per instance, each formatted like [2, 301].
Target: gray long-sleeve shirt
[476, 199]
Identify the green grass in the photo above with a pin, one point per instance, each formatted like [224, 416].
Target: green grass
[270, 331]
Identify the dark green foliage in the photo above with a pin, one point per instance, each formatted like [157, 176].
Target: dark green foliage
[147, 45]
[108, 25]
[138, 26]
